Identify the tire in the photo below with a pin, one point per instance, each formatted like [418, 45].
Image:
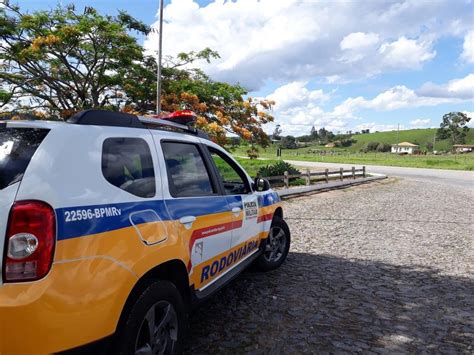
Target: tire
[159, 303]
[275, 247]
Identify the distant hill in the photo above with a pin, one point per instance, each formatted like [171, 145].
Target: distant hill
[416, 136]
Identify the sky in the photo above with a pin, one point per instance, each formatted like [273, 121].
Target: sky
[342, 65]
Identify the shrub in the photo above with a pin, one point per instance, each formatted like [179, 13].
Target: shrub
[384, 147]
[277, 169]
[288, 142]
[371, 147]
[252, 153]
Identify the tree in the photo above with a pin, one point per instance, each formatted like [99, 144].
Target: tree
[220, 107]
[277, 132]
[429, 146]
[63, 60]
[288, 142]
[314, 134]
[454, 126]
[322, 134]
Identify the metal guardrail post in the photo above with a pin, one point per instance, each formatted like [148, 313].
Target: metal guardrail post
[353, 172]
[326, 173]
[341, 172]
[363, 171]
[286, 180]
[308, 177]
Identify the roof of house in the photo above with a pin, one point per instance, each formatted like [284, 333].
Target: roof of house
[406, 144]
[463, 146]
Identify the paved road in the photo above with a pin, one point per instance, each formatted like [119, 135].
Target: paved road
[383, 268]
[450, 177]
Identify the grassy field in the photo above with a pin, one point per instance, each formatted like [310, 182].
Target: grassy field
[416, 136]
[452, 162]
[252, 166]
[449, 161]
[352, 155]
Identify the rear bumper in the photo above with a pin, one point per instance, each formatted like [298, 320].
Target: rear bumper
[77, 303]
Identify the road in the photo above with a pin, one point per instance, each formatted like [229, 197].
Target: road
[382, 268]
[450, 177]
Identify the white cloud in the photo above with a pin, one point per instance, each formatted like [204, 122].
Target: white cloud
[457, 88]
[420, 123]
[296, 93]
[377, 127]
[300, 108]
[358, 40]
[406, 53]
[468, 47]
[292, 40]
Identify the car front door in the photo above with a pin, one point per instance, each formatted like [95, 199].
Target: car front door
[201, 211]
[243, 203]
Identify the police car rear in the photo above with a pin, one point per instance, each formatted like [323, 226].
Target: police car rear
[28, 226]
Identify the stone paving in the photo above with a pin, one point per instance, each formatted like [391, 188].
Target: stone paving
[380, 268]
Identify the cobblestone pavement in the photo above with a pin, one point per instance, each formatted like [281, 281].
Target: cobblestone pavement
[380, 268]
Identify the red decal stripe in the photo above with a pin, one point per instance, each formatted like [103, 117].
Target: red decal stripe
[265, 217]
[213, 230]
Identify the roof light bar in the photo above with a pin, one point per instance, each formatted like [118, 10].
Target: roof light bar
[184, 117]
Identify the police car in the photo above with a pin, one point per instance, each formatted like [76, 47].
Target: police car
[115, 225]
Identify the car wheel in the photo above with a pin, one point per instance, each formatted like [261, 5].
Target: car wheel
[275, 247]
[156, 322]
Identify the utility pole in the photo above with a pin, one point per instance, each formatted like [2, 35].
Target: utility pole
[158, 74]
[434, 142]
[398, 134]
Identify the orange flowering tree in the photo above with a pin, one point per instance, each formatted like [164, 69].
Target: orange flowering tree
[221, 108]
[64, 60]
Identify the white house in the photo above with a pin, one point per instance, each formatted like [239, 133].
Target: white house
[405, 148]
[463, 148]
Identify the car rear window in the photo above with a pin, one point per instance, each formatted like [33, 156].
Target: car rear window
[128, 165]
[17, 146]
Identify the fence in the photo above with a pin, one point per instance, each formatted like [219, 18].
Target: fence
[325, 175]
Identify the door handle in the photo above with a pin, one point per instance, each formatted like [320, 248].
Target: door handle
[236, 210]
[187, 221]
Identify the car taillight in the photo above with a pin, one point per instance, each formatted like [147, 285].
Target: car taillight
[29, 243]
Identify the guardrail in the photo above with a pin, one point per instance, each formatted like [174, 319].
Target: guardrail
[325, 175]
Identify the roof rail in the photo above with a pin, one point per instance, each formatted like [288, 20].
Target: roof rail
[160, 122]
[105, 118]
[121, 119]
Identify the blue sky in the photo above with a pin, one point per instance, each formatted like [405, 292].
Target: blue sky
[342, 65]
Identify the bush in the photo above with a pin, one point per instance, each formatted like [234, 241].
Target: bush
[252, 153]
[288, 142]
[278, 169]
[371, 147]
[384, 147]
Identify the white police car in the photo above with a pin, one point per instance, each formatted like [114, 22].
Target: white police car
[114, 225]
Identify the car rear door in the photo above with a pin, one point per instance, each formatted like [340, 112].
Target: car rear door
[17, 147]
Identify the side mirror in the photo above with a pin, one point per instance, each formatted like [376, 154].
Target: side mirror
[261, 184]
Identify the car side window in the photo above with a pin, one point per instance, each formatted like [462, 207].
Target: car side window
[233, 178]
[188, 175]
[127, 164]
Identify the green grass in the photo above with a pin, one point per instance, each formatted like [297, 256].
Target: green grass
[416, 136]
[352, 155]
[453, 162]
[251, 166]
